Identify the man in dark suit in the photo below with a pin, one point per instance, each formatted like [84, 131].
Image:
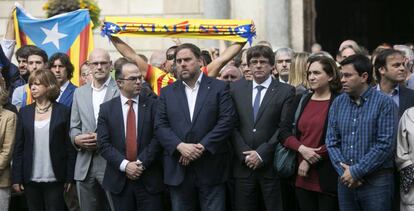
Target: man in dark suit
[62, 68]
[134, 171]
[194, 120]
[261, 105]
[390, 72]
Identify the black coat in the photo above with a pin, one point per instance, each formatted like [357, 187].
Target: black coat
[328, 178]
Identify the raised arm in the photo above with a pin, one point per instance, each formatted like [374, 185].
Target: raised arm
[129, 53]
[215, 66]
[8, 43]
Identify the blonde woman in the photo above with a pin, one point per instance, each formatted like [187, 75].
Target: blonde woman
[297, 72]
[7, 132]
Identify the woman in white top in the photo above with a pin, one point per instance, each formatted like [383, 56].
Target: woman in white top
[44, 158]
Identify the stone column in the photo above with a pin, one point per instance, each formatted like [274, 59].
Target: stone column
[215, 9]
[277, 23]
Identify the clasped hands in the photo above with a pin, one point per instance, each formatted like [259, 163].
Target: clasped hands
[189, 152]
[347, 179]
[252, 159]
[134, 170]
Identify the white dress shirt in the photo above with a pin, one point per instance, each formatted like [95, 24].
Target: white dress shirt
[8, 47]
[125, 109]
[98, 96]
[191, 94]
[265, 84]
[62, 89]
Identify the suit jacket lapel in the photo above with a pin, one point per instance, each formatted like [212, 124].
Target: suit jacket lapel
[203, 91]
[248, 89]
[119, 117]
[270, 92]
[182, 100]
[111, 90]
[52, 123]
[31, 119]
[89, 104]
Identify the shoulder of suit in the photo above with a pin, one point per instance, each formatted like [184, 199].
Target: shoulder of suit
[6, 114]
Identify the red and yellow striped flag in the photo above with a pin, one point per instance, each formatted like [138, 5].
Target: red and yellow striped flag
[69, 33]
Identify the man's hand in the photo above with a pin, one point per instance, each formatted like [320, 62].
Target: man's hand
[303, 168]
[86, 141]
[18, 187]
[67, 186]
[184, 161]
[190, 151]
[133, 170]
[347, 179]
[309, 154]
[252, 159]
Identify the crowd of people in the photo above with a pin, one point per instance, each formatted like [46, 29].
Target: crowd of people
[192, 129]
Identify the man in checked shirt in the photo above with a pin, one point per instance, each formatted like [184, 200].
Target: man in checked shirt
[361, 139]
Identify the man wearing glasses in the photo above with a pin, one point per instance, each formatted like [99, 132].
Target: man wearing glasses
[90, 166]
[134, 171]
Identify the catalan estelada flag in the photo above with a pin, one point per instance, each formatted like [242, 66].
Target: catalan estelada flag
[222, 29]
[69, 33]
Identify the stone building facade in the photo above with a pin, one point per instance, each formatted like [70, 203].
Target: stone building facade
[281, 22]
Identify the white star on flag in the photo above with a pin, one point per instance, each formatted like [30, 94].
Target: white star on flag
[242, 30]
[112, 28]
[53, 35]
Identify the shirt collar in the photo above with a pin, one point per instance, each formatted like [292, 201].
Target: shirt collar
[265, 83]
[103, 86]
[365, 95]
[63, 87]
[124, 99]
[396, 90]
[197, 82]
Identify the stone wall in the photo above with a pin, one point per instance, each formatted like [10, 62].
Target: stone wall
[287, 31]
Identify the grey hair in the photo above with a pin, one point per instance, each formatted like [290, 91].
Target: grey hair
[283, 51]
[405, 50]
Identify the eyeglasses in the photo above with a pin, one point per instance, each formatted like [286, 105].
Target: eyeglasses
[170, 56]
[257, 61]
[96, 64]
[132, 78]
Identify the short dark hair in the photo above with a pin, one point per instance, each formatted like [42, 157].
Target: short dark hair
[193, 48]
[331, 69]
[174, 48]
[361, 64]
[38, 52]
[118, 71]
[24, 51]
[261, 50]
[381, 60]
[205, 55]
[65, 60]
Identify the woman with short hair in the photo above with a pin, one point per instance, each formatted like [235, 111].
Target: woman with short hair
[44, 158]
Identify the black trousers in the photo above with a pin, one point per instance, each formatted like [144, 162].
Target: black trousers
[314, 201]
[254, 190]
[45, 196]
[134, 196]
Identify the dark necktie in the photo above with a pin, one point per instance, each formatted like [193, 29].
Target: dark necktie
[256, 104]
[131, 134]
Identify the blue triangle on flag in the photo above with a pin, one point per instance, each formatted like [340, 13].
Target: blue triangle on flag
[55, 34]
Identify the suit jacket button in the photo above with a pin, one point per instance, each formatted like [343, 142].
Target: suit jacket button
[254, 130]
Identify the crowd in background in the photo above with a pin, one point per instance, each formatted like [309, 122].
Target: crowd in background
[192, 129]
